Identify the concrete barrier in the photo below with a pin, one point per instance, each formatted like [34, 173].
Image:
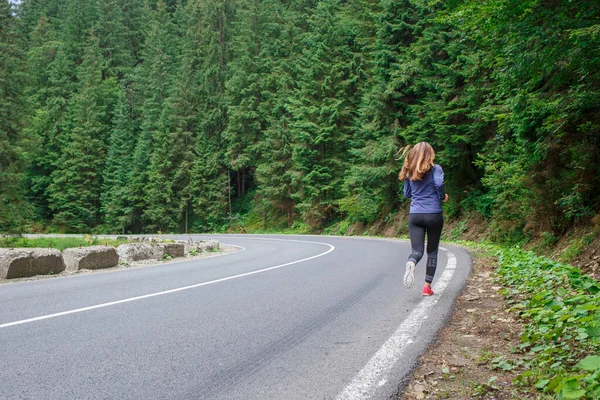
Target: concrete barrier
[23, 262]
[93, 257]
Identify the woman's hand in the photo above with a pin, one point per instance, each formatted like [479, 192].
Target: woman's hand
[446, 198]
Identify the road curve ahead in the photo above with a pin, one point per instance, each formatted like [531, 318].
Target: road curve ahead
[288, 317]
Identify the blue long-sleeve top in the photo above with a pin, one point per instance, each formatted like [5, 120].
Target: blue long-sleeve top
[428, 193]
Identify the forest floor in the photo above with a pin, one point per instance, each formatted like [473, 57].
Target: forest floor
[459, 365]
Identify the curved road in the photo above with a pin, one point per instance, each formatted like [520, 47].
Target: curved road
[289, 317]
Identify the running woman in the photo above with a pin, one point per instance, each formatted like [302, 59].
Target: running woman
[424, 184]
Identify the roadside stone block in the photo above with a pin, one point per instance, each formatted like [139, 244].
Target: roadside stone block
[201, 246]
[139, 251]
[208, 245]
[173, 249]
[23, 262]
[93, 257]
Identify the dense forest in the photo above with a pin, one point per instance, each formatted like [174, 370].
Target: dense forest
[196, 115]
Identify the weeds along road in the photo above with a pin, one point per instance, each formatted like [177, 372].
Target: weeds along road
[288, 317]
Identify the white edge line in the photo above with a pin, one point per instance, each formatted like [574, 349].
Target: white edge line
[146, 296]
[366, 382]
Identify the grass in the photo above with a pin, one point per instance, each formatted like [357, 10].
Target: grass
[57, 243]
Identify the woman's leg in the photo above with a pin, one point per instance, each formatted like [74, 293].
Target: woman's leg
[417, 242]
[416, 231]
[434, 224]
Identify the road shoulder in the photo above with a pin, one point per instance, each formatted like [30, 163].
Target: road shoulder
[468, 358]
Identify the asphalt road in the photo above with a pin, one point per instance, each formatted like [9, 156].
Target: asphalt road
[288, 317]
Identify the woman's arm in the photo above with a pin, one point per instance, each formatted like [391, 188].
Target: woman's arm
[438, 181]
[407, 190]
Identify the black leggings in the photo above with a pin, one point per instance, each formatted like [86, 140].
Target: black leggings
[418, 224]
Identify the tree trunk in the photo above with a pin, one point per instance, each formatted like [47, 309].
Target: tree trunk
[186, 216]
[243, 182]
[229, 188]
[239, 183]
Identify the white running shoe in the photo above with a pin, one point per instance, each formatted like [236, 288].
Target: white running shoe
[409, 275]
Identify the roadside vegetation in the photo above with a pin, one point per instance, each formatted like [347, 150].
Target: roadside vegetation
[560, 343]
[59, 243]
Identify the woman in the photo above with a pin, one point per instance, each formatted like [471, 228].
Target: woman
[424, 184]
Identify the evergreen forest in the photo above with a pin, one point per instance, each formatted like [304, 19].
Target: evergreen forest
[128, 116]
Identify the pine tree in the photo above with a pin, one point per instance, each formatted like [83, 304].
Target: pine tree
[42, 50]
[14, 210]
[116, 205]
[12, 81]
[77, 21]
[30, 12]
[155, 78]
[209, 185]
[161, 212]
[77, 181]
[182, 120]
[277, 183]
[134, 20]
[323, 110]
[47, 128]
[113, 36]
[183, 124]
[211, 30]
[255, 30]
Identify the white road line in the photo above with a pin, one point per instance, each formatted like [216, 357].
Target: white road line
[113, 303]
[366, 382]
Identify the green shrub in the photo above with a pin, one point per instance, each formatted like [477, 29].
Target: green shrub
[360, 208]
[577, 247]
[548, 240]
[458, 230]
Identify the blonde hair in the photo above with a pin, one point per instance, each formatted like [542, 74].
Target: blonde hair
[418, 161]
